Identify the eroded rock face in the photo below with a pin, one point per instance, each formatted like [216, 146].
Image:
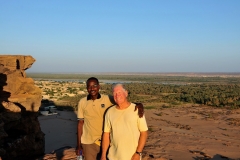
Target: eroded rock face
[20, 133]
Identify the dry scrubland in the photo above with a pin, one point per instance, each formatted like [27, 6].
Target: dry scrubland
[153, 90]
[190, 117]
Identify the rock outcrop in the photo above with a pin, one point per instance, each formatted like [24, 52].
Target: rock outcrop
[20, 133]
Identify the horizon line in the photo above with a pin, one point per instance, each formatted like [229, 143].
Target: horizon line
[31, 72]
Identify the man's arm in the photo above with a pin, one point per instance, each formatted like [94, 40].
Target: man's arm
[105, 145]
[140, 108]
[141, 143]
[79, 135]
[111, 99]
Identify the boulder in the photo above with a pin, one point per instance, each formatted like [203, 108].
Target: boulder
[20, 133]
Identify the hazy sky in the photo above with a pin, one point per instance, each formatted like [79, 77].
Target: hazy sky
[123, 35]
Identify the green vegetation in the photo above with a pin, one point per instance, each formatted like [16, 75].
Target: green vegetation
[155, 90]
[67, 101]
[174, 95]
[150, 129]
[158, 114]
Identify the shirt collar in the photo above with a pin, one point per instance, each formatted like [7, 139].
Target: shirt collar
[89, 96]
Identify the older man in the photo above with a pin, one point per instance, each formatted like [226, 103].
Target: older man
[123, 127]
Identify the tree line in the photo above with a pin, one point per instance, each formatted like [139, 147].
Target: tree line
[218, 95]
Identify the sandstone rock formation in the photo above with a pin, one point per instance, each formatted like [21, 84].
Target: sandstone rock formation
[20, 133]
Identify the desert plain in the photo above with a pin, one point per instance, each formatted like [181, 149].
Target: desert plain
[176, 132]
[179, 133]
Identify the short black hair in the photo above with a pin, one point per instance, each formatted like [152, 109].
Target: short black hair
[92, 78]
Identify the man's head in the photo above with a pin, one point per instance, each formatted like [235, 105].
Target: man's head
[93, 86]
[119, 93]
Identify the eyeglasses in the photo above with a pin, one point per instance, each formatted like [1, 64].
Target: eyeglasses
[92, 86]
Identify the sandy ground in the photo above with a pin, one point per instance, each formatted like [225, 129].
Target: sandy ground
[181, 133]
[60, 130]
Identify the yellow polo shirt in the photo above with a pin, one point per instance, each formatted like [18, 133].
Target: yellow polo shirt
[92, 111]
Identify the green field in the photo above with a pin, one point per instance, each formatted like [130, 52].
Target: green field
[166, 89]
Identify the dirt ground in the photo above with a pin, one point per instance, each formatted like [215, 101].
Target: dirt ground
[187, 133]
[179, 133]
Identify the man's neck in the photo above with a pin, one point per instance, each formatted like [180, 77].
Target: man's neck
[123, 105]
[90, 97]
[94, 97]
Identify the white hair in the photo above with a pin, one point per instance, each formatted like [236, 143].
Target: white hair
[118, 84]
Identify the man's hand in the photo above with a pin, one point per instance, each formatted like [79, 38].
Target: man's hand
[140, 108]
[136, 157]
[103, 157]
[78, 150]
[79, 134]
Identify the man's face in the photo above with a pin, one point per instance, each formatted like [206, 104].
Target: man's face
[93, 87]
[119, 94]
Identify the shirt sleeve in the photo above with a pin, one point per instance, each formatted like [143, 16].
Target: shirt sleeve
[142, 124]
[107, 124]
[80, 110]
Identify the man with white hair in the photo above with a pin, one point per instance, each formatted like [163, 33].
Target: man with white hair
[124, 131]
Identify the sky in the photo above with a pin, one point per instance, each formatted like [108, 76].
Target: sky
[78, 36]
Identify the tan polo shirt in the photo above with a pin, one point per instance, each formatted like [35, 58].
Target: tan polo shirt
[124, 127]
[92, 111]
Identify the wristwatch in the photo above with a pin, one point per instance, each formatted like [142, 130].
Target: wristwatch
[140, 153]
